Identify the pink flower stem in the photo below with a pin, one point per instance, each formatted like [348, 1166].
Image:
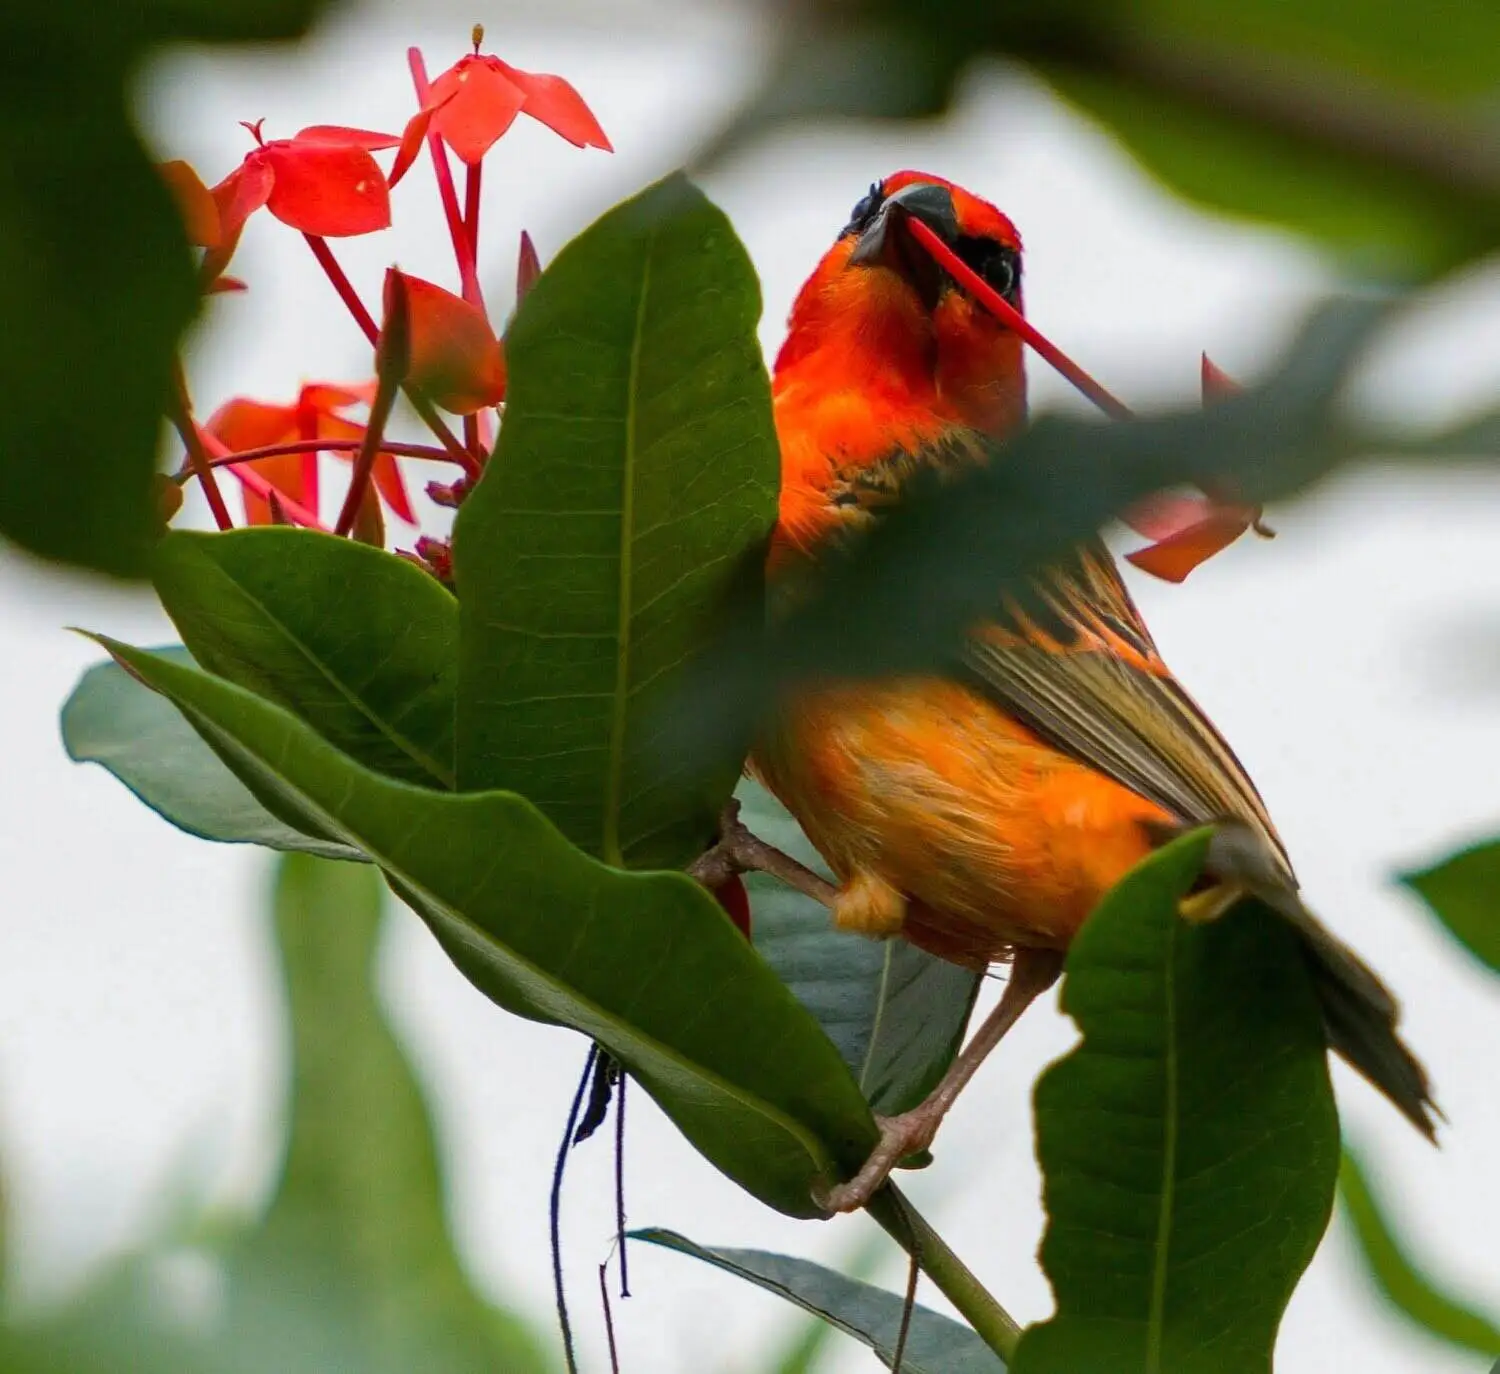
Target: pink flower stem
[297, 513]
[1013, 319]
[362, 317]
[180, 412]
[464, 247]
[364, 464]
[250, 455]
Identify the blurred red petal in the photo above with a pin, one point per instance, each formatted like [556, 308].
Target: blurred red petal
[340, 136]
[390, 484]
[1172, 559]
[1217, 384]
[221, 285]
[283, 474]
[455, 357]
[1164, 514]
[555, 103]
[195, 203]
[412, 138]
[241, 423]
[731, 895]
[241, 194]
[329, 191]
[476, 103]
[330, 396]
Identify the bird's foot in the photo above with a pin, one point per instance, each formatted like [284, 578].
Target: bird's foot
[900, 1136]
[868, 905]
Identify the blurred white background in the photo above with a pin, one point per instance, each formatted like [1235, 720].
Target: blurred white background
[1354, 663]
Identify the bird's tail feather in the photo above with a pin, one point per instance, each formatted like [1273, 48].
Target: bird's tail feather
[1360, 1015]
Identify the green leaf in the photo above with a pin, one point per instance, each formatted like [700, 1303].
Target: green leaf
[1189, 1145]
[96, 281]
[358, 1220]
[1409, 1290]
[1461, 892]
[629, 499]
[896, 1013]
[360, 644]
[935, 1344]
[140, 737]
[644, 963]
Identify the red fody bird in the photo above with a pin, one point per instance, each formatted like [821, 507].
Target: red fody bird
[982, 817]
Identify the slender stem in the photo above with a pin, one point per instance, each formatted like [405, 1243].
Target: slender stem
[371, 330]
[293, 510]
[343, 286]
[472, 175]
[180, 412]
[609, 1318]
[463, 248]
[906, 1226]
[364, 464]
[250, 455]
[1014, 320]
[554, 1210]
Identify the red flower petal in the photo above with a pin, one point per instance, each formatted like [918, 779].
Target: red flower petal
[412, 138]
[1217, 384]
[731, 895]
[241, 194]
[1165, 514]
[242, 423]
[455, 356]
[528, 268]
[555, 103]
[1173, 558]
[325, 190]
[222, 285]
[195, 203]
[341, 136]
[330, 396]
[477, 103]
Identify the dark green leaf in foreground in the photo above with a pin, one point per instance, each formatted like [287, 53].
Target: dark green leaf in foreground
[360, 644]
[139, 736]
[96, 283]
[896, 1013]
[935, 1344]
[629, 499]
[358, 1221]
[1408, 1289]
[1189, 1145]
[1463, 892]
[644, 963]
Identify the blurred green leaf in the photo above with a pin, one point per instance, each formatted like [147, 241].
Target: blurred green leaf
[96, 282]
[896, 1013]
[1189, 1145]
[631, 494]
[1463, 892]
[359, 1216]
[140, 737]
[903, 599]
[644, 963]
[1406, 1286]
[935, 1344]
[360, 644]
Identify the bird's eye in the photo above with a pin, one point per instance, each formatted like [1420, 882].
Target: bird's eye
[999, 265]
[866, 210]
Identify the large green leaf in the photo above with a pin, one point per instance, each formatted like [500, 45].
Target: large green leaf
[1189, 1145]
[140, 737]
[935, 1344]
[358, 1218]
[96, 283]
[644, 963]
[1463, 892]
[1410, 1291]
[359, 643]
[629, 499]
[896, 1013]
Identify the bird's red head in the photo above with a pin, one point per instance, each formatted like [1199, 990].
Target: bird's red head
[886, 353]
[881, 305]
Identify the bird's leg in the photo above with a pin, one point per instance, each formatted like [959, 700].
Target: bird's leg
[1032, 973]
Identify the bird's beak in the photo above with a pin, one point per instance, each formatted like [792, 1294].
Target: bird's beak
[885, 244]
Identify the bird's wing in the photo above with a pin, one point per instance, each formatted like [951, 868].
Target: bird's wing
[1070, 657]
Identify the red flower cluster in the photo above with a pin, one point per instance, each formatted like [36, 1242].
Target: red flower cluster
[326, 183]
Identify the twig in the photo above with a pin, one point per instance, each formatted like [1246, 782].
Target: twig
[250, 455]
[620, 1182]
[738, 851]
[609, 1318]
[180, 413]
[908, 1306]
[906, 1226]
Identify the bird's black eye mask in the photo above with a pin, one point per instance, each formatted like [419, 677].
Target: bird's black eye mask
[998, 265]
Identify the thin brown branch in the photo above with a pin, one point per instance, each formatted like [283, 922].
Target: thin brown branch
[738, 851]
[180, 413]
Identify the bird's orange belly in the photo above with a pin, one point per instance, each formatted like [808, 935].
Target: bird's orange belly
[994, 839]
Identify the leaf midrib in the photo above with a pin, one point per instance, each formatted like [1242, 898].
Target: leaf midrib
[1156, 1321]
[407, 746]
[614, 782]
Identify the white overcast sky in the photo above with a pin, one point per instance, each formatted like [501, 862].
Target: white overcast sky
[1354, 662]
